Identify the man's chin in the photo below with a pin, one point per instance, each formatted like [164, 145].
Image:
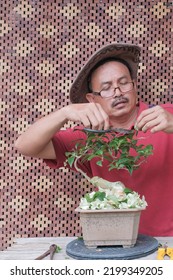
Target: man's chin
[120, 108]
[119, 111]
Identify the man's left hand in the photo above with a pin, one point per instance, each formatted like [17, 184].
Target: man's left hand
[155, 119]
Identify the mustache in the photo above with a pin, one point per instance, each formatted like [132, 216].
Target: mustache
[119, 100]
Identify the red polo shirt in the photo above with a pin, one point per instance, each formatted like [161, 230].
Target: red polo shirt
[153, 179]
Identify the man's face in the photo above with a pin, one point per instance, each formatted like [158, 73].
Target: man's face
[107, 77]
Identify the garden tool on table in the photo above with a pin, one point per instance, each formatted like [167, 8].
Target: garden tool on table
[164, 251]
[51, 251]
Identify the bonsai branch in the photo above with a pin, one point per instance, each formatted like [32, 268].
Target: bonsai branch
[97, 181]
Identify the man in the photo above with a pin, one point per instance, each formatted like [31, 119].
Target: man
[104, 95]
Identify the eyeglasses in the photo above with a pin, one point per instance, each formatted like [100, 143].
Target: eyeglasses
[110, 92]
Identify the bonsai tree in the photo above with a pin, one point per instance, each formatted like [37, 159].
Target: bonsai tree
[121, 150]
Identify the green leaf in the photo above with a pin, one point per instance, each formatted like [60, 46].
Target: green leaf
[80, 237]
[127, 190]
[70, 160]
[99, 152]
[89, 157]
[99, 163]
[98, 195]
[88, 198]
[130, 168]
[58, 249]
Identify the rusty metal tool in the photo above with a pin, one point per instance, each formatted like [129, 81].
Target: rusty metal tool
[50, 252]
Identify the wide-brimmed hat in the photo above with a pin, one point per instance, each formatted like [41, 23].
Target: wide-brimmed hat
[127, 52]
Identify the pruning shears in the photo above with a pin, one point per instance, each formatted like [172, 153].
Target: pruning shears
[117, 130]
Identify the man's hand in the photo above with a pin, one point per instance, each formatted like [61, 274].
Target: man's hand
[36, 141]
[155, 119]
[89, 114]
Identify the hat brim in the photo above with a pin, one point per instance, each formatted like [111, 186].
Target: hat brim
[129, 53]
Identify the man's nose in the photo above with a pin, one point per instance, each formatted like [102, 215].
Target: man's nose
[117, 92]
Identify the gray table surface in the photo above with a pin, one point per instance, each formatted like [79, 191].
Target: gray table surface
[31, 248]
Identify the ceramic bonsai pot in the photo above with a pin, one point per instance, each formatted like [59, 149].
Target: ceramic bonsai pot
[110, 227]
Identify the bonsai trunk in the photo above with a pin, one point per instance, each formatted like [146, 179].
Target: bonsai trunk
[97, 181]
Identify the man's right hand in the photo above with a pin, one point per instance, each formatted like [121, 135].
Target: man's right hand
[89, 114]
[36, 141]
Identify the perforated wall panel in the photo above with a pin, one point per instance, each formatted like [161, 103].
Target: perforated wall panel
[43, 44]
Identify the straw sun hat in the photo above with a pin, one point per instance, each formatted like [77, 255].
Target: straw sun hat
[128, 53]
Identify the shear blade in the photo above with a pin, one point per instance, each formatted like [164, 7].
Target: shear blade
[118, 130]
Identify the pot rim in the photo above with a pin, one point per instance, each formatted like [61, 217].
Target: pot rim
[78, 209]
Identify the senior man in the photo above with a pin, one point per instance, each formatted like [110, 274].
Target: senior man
[104, 95]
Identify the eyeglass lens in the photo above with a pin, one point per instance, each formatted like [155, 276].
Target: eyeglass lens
[123, 88]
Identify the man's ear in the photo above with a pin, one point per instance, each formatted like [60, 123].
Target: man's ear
[90, 97]
[135, 84]
[135, 88]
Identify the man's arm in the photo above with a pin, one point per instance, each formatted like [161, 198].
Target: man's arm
[37, 140]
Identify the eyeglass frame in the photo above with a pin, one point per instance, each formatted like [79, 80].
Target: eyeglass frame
[98, 92]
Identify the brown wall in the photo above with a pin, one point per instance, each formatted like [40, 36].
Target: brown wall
[43, 44]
